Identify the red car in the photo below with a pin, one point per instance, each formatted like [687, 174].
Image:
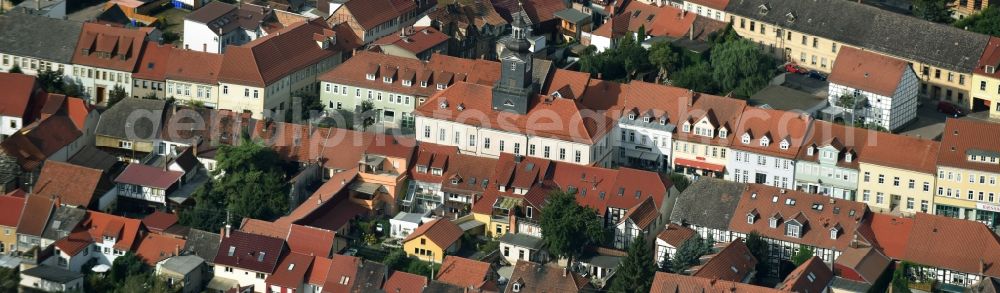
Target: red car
[792, 68]
[950, 109]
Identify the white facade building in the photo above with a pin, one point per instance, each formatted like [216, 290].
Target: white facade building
[879, 90]
[218, 24]
[645, 140]
[766, 146]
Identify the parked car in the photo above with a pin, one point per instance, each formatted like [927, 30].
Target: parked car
[792, 68]
[816, 75]
[950, 109]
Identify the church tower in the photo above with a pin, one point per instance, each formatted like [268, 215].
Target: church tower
[512, 93]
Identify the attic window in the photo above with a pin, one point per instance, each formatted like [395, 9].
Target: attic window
[444, 104]
[638, 194]
[621, 191]
[407, 82]
[790, 17]
[645, 119]
[750, 218]
[387, 79]
[783, 145]
[848, 157]
[631, 116]
[663, 121]
[423, 84]
[763, 9]
[687, 126]
[764, 141]
[990, 69]
[232, 250]
[517, 287]
[723, 133]
[291, 266]
[442, 86]
[772, 222]
[260, 257]
[790, 201]
[454, 181]
[810, 150]
[833, 233]
[370, 76]
[421, 169]
[746, 138]
[436, 171]
[793, 229]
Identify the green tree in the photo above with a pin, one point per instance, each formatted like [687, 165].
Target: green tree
[396, 260]
[125, 266]
[688, 254]
[758, 247]
[740, 67]
[697, 77]
[116, 95]
[680, 181]
[15, 69]
[666, 264]
[9, 280]
[804, 254]
[900, 282]
[52, 81]
[208, 212]
[567, 227]
[932, 10]
[665, 57]
[365, 115]
[310, 104]
[986, 21]
[635, 273]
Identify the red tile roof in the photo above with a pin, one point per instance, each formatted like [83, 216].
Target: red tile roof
[72, 184]
[643, 214]
[681, 105]
[353, 72]
[477, 14]
[159, 221]
[155, 247]
[675, 235]
[292, 271]
[902, 152]
[194, 66]
[666, 21]
[154, 60]
[35, 142]
[535, 277]
[965, 137]
[868, 71]
[470, 170]
[310, 240]
[674, 283]
[149, 176]
[403, 282]
[818, 215]
[623, 188]
[714, 4]
[343, 273]
[776, 126]
[40, 208]
[372, 13]
[10, 209]
[464, 273]
[270, 58]
[440, 231]
[990, 57]
[733, 263]
[98, 39]
[335, 148]
[538, 10]
[845, 139]
[421, 40]
[334, 216]
[18, 91]
[891, 234]
[250, 251]
[319, 270]
[812, 276]
[125, 230]
[75, 243]
[944, 242]
[77, 109]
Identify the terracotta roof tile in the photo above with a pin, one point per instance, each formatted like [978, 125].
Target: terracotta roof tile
[535, 277]
[155, 247]
[891, 234]
[733, 263]
[125, 230]
[159, 221]
[403, 282]
[193, 66]
[477, 14]
[153, 62]
[965, 137]
[375, 12]
[149, 176]
[675, 235]
[318, 271]
[440, 231]
[292, 271]
[310, 240]
[777, 126]
[811, 276]
[945, 242]
[864, 264]
[10, 209]
[674, 283]
[991, 58]
[98, 39]
[35, 142]
[643, 214]
[421, 40]
[18, 91]
[538, 10]
[268, 59]
[75, 243]
[463, 272]
[845, 138]
[343, 269]
[40, 208]
[72, 184]
[665, 21]
[274, 229]
[250, 251]
[903, 152]
[868, 71]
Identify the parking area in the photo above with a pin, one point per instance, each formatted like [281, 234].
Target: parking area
[807, 84]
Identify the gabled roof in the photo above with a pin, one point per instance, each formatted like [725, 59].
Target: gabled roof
[733, 263]
[34, 143]
[675, 234]
[534, 277]
[126, 231]
[110, 47]
[440, 231]
[777, 126]
[674, 283]
[866, 262]
[40, 208]
[18, 91]
[266, 60]
[310, 240]
[421, 40]
[53, 274]
[203, 244]
[643, 213]
[403, 282]
[812, 276]
[466, 273]
[663, 21]
[46, 38]
[343, 273]
[372, 13]
[10, 209]
[149, 176]
[194, 66]
[538, 11]
[845, 139]
[943, 243]
[159, 221]
[867, 26]
[816, 214]
[478, 14]
[222, 17]
[72, 184]
[901, 152]
[250, 251]
[965, 137]
[153, 63]
[144, 128]
[292, 271]
[708, 202]
[156, 247]
[868, 71]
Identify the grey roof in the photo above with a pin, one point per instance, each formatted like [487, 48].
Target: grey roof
[786, 99]
[872, 28]
[573, 15]
[849, 285]
[370, 276]
[140, 117]
[409, 217]
[62, 222]
[604, 261]
[522, 240]
[54, 274]
[708, 202]
[438, 287]
[182, 264]
[39, 36]
[91, 157]
[203, 244]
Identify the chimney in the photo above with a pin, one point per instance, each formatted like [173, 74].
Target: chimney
[177, 250]
[319, 200]
[229, 228]
[194, 147]
[565, 270]
[691, 32]
[38, 4]
[513, 224]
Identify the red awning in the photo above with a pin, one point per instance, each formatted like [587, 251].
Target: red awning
[699, 165]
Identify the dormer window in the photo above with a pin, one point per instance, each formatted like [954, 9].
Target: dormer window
[764, 141]
[387, 79]
[631, 116]
[516, 287]
[444, 104]
[645, 119]
[436, 171]
[990, 69]
[421, 169]
[407, 82]
[687, 126]
[370, 76]
[833, 233]
[792, 229]
[723, 133]
[790, 17]
[750, 218]
[663, 121]
[772, 222]
[810, 151]
[454, 181]
[784, 145]
[423, 84]
[442, 86]
[763, 9]
[848, 157]
[745, 139]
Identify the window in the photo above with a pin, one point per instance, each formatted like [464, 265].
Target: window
[486, 143]
[531, 150]
[879, 197]
[577, 157]
[895, 181]
[246, 93]
[261, 276]
[228, 269]
[866, 196]
[927, 186]
[772, 222]
[833, 233]
[562, 154]
[501, 145]
[881, 178]
[792, 230]
[815, 42]
[442, 135]
[751, 218]
[545, 152]
[427, 132]
[472, 140]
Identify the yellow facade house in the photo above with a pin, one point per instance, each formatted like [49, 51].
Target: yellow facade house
[968, 167]
[432, 240]
[986, 81]
[11, 206]
[897, 174]
[807, 33]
